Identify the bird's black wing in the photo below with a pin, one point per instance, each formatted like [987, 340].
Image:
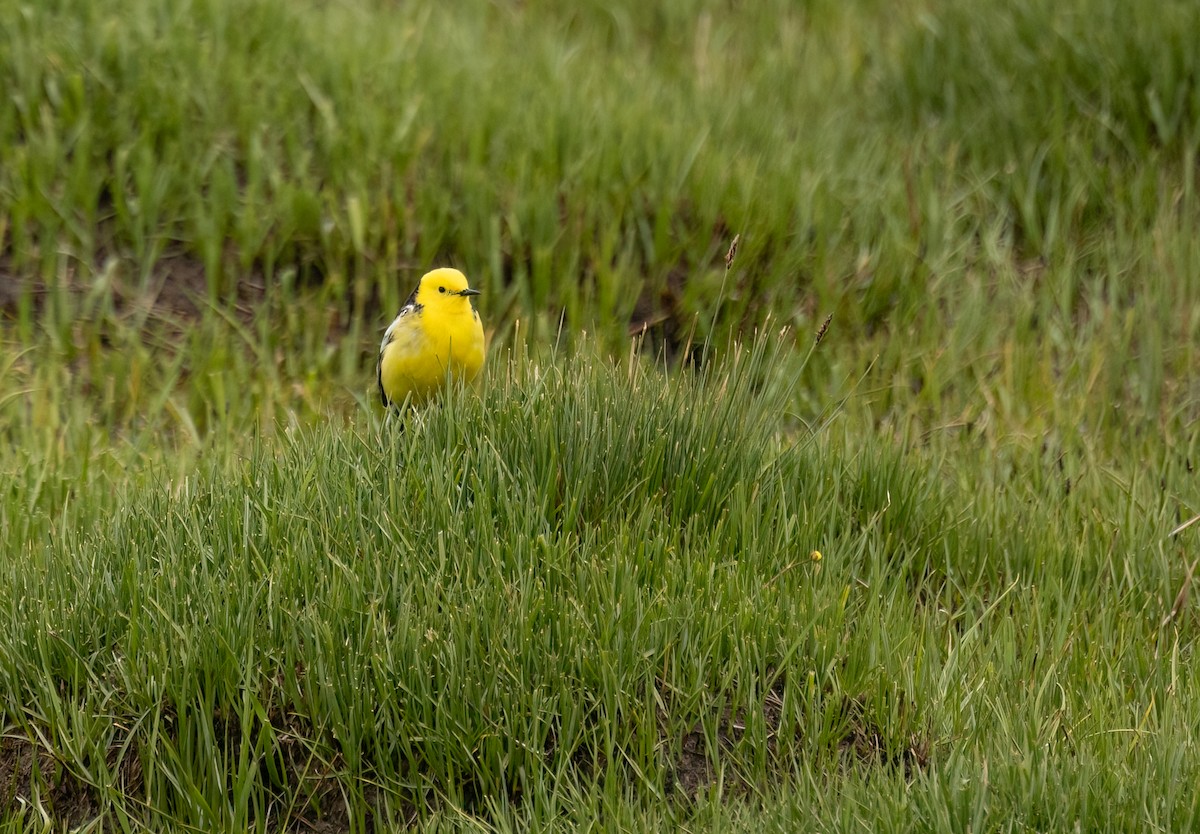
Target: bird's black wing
[383, 397]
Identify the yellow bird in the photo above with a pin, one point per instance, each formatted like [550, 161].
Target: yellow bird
[436, 336]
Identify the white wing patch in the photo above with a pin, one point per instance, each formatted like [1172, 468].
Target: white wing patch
[390, 333]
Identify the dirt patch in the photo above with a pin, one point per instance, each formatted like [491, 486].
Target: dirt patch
[10, 286]
[865, 743]
[181, 286]
[694, 771]
[667, 323]
[662, 324]
[699, 764]
[29, 777]
[177, 291]
[305, 788]
[32, 778]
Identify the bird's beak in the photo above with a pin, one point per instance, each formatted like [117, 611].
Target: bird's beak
[469, 291]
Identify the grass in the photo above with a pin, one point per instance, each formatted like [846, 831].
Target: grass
[236, 598]
[589, 587]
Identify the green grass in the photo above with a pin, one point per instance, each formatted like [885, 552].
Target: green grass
[591, 587]
[234, 597]
[589, 591]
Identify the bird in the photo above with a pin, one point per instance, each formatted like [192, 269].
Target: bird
[436, 336]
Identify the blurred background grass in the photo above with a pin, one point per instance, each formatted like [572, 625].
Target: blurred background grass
[974, 192]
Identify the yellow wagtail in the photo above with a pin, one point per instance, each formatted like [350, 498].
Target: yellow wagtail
[437, 335]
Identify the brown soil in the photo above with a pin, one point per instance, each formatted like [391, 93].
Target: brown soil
[27, 771]
[697, 766]
[31, 776]
[178, 290]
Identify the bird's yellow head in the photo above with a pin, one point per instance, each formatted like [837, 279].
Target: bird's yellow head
[445, 291]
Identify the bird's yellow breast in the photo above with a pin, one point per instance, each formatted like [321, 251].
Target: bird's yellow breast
[425, 347]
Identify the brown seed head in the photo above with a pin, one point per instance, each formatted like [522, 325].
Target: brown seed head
[824, 327]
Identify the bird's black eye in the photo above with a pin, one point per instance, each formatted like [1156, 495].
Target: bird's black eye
[441, 289]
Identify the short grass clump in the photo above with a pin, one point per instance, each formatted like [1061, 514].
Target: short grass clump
[592, 587]
[587, 580]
